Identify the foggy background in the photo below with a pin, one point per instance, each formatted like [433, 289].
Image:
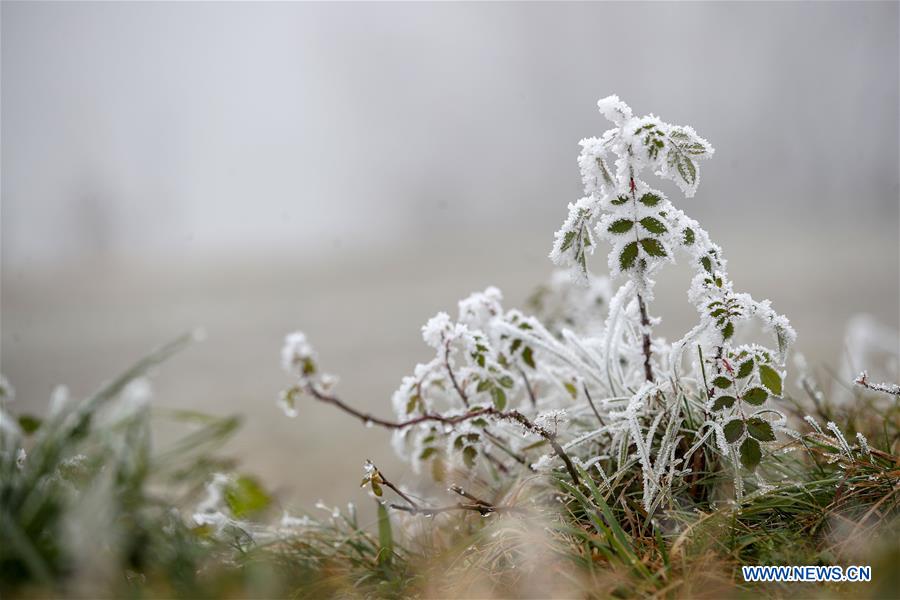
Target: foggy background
[351, 169]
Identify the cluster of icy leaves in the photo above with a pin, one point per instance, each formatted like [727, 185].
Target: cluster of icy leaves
[487, 357]
[645, 231]
[581, 368]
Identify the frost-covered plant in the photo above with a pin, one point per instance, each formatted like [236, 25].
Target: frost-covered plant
[584, 384]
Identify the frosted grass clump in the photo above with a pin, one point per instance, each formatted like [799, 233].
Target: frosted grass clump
[582, 380]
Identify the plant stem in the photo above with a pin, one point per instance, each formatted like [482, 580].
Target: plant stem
[645, 326]
[489, 411]
[459, 390]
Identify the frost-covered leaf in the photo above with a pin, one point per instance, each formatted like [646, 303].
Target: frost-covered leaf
[755, 396]
[723, 402]
[621, 226]
[652, 247]
[628, 256]
[528, 357]
[745, 369]
[750, 453]
[499, 397]
[728, 330]
[683, 148]
[722, 382]
[653, 225]
[650, 199]
[770, 378]
[733, 429]
[760, 429]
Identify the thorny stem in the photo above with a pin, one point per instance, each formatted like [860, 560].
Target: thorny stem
[645, 320]
[488, 411]
[645, 326]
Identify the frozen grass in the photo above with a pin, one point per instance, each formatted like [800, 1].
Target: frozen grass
[92, 510]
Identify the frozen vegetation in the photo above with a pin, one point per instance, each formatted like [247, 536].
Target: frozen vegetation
[560, 449]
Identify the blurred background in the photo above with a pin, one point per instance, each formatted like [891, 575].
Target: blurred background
[351, 169]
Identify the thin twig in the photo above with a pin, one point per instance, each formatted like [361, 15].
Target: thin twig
[888, 388]
[459, 390]
[488, 411]
[645, 327]
[458, 490]
[397, 490]
[479, 508]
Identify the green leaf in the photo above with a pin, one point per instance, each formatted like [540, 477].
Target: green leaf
[619, 201]
[770, 378]
[604, 171]
[687, 169]
[484, 385]
[755, 396]
[728, 330]
[688, 238]
[650, 199]
[309, 367]
[653, 247]
[245, 496]
[653, 225]
[567, 241]
[629, 254]
[621, 226]
[499, 397]
[427, 453]
[385, 536]
[506, 381]
[376, 488]
[707, 264]
[528, 357]
[29, 424]
[723, 402]
[750, 453]
[734, 429]
[760, 429]
[722, 382]
[570, 387]
[469, 456]
[745, 369]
